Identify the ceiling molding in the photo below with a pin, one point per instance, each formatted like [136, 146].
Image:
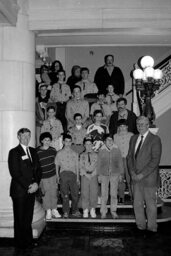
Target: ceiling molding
[8, 12]
[100, 23]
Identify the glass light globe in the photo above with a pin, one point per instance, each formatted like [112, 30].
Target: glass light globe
[138, 74]
[147, 61]
[158, 74]
[149, 72]
[144, 77]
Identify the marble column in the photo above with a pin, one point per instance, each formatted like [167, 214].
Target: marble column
[17, 109]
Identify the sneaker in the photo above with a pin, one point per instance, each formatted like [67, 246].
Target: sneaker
[48, 214]
[55, 214]
[65, 215]
[93, 213]
[76, 214]
[114, 215]
[85, 213]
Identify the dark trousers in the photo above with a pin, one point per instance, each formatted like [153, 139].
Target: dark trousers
[60, 114]
[69, 184]
[23, 214]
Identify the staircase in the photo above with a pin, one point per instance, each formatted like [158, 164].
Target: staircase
[162, 99]
[161, 103]
[125, 216]
[125, 213]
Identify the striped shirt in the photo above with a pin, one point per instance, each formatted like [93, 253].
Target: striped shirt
[47, 161]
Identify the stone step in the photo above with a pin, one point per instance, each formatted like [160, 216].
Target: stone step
[124, 217]
[128, 204]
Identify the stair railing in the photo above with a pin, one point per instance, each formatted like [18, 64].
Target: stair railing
[164, 190]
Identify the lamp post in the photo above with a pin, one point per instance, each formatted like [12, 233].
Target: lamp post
[147, 80]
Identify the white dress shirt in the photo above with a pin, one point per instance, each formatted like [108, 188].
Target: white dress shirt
[139, 139]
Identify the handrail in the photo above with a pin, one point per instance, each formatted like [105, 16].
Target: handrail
[164, 191]
[127, 93]
[165, 66]
[163, 62]
[164, 166]
[161, 65]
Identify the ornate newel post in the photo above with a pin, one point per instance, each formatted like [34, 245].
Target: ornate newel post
[17, 107]
[147, 80]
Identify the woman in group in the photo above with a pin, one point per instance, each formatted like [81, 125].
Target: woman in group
[56, 65]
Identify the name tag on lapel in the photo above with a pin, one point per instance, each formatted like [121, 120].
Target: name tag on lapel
[25, 157]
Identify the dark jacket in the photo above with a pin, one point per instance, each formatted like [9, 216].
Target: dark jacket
[22, 171]
[131, 121]
[147, 161]
[102, 79]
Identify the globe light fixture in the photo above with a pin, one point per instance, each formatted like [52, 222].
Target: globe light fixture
[147, 80]
[147, 61]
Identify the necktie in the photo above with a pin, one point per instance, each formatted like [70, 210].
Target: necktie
[89, 158]
[111, 99]
[28, 154]
[60, 88]
[83, 86]
[101, 107]
[139, 146]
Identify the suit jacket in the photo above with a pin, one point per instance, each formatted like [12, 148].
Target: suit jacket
[22, 170]
[147, 160]
[131, 120]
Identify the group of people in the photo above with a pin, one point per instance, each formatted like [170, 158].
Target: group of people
[96, 148]
[77, 92]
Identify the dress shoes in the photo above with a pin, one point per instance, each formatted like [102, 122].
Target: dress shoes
[150, 234]
[140, 232]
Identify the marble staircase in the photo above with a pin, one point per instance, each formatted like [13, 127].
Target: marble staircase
[125, 216]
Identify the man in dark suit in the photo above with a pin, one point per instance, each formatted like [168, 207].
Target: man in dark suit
[25, 172]
[122, 113]
[143, 159]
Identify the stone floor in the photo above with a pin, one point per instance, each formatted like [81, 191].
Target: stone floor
[123, 241]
